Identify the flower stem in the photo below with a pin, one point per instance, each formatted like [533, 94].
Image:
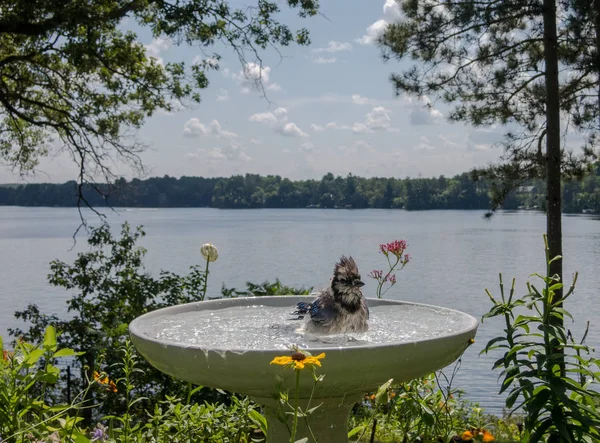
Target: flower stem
[205, 281]
[296, 401]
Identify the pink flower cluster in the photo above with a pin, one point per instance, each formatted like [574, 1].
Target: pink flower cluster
[396, 248]
[376, 274]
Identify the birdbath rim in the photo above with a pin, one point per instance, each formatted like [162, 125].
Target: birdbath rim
[467, 320]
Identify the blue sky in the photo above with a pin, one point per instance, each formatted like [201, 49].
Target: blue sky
[330, 108]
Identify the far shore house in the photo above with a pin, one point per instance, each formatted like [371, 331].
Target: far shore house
[526, 189]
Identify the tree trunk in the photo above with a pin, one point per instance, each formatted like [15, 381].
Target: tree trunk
[597, 26]
[553, 151]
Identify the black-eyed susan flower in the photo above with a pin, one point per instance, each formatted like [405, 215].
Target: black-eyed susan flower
[298, 360]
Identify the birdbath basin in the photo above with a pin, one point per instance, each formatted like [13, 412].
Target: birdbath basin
[229, 344]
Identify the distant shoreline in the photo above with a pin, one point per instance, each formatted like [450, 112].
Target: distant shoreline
[123, 208]
[252, 191]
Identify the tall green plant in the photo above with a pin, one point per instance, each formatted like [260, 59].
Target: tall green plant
[111, 287]
[26, 373]
[561, 406]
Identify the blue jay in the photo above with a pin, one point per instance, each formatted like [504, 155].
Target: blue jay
[341, 307]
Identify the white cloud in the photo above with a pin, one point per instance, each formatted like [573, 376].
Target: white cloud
[362, 144]
[373, 33]
[194, 128]
[324, 60]
[307, 147]
[263, 117]
[334, 46]
[334, 125]
[223, 95]
[290, 130]
[279, 121]
[281, 112]
[358, 100]
[255, 141]
[391, 10]
[233, 152]
[391, 13]
[157, 46]
[483, 139]
[422, 111]
[447, 141]
[251, 77]
[424, 145]
[378, 119]
[360, 128]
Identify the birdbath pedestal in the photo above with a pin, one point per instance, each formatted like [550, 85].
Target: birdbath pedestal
[351, 370]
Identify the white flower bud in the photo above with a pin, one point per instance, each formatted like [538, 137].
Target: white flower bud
[209, 252]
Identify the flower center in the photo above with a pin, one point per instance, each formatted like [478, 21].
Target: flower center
[298, 356]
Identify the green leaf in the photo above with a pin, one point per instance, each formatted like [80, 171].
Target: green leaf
[259, 420]
[50, 338]
[34, 356]
[381, 396]
[311, 410]
[67, 352]
[355, 431]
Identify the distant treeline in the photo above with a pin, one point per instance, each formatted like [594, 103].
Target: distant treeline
[273, 191]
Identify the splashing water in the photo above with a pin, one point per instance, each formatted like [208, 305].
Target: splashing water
[258, 327]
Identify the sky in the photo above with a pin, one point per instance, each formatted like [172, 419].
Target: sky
[329, 107]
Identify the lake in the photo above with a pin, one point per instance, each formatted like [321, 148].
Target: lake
[456, 255]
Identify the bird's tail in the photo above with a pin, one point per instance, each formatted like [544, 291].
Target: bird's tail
[302, 308]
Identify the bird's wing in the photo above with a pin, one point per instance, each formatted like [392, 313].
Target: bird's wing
[322, 312]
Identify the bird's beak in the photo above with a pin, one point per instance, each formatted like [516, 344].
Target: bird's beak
[359, 283]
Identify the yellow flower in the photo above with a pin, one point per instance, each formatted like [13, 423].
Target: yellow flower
[467, 436]
[487, 437]
[112, 386]
[298, 360]
[105, 381]
[209, 252]
[102, 380]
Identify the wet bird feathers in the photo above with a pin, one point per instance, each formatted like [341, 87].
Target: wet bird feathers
[341, 307]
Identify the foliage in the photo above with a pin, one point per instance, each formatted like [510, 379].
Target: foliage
[558, 403]
[458, 192]
[298, 361]
[73, 77]
[26, 414]
[418, 409]
[264, 289]
[111, 288]
[489, 61]
[25, 375]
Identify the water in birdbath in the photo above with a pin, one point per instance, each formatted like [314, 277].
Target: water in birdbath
[258, 327]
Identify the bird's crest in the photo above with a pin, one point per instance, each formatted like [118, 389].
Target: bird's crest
[346, 269]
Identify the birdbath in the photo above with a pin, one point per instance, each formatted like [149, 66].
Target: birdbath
[229, 344]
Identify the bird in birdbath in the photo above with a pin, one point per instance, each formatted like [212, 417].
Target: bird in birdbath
[341, 307]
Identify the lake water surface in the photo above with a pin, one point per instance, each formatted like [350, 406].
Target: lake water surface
[456, 255]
